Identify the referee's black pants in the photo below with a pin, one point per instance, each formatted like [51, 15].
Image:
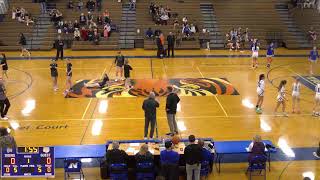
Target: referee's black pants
[59, 53]
[4, 107]
[171, 48]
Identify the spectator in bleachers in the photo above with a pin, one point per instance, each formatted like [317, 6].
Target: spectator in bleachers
[132, 4]
[99, 20]
[90, 5]
[6, 140]
[149, 33]
[76, 24]
[185, 20]
[27, 18]
[193, 29]
[13, 13]
[186, 30]
[59, 15]
[175, 23]
[96, 37]
[164, 19]
[193, 158]
[309, 3]
[169, 160]
[70, 27]
[83, 19]
[80, 5]
[106, 31]
[206, 154]
[256, 147]
[99, 4]
[76, 34]
[144, 155]
[84, 34]
[90, 34]
[312, 35]
[18, 13]
[70, 4]
[89, 17]
[92, 25]
[115, 155]
[106, 16]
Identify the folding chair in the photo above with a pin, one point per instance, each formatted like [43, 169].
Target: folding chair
[258, 163]
[73, 167]
[118, 171]
[145, 171]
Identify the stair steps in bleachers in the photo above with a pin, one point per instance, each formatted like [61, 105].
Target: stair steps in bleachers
[127, 27]
[288, 20]
[39, 40]
[210, 23]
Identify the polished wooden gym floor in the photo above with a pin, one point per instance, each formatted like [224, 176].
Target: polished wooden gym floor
[44, 117]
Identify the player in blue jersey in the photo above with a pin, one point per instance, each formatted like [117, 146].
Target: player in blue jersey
[270, 54]
[313, 58]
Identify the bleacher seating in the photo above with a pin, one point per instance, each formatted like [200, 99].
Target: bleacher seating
[260, 17]
[191, 9]
[307, 18]
[11, 28]
[114, 9]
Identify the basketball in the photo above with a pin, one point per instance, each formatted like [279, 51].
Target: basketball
[175, 140]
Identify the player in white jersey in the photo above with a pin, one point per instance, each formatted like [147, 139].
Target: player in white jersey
[317, 101]
[296, 96]
[255, 55]
[260, 92]
[281, 98]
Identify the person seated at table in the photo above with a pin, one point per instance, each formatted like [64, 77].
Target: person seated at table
[257, 147]
[144, 155]
[169, 160]
[116, 155]
[97, 83]
[206, 154]
[149, 33]
[317, 153]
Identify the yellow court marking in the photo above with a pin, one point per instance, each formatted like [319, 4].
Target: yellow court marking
[215, 96]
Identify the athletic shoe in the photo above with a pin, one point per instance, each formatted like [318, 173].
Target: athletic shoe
[314, 114]
[169, 134]
[5, 118]
[145, 138]
[285, 114]
[315, 155]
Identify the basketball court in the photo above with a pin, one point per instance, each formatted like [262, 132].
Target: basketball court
[218, 102]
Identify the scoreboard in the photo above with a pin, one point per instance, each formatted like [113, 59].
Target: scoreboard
[27, 162]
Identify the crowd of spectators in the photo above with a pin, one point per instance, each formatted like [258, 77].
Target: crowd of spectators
[87, 27]
[160, 14]
[237, 38]
[305, 3]
[21, 15]
[90, 5]
[188, 29]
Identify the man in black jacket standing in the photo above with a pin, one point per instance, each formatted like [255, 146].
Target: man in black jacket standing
[171, 41]
[59, 45]
[150, 106]
[171, 109]
[193, 158]
[159, 46]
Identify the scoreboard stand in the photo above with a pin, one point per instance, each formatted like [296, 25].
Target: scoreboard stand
[73, 167]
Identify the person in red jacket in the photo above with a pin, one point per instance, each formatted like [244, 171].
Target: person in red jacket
[84, 34]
